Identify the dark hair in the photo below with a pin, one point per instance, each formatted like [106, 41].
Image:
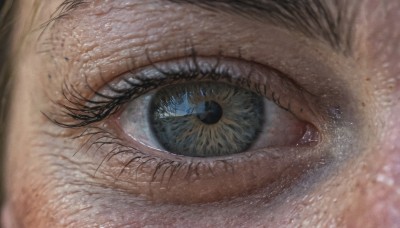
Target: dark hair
[6, 21]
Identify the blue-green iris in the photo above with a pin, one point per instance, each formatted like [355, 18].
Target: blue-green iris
[206, 119]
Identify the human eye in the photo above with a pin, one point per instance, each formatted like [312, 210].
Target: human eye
[136, 113]
[171, 117]
[201, 124]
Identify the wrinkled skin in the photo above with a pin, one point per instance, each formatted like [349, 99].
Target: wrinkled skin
[49, 187]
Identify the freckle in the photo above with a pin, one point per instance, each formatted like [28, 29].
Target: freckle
[363, 104]
[49, 76]
[66, 59]
[368, 79]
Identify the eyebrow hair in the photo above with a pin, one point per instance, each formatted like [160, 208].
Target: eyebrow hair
[330, 21]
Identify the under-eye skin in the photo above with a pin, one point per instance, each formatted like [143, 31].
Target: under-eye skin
[264, 129]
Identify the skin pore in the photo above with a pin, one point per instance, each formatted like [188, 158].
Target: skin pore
[349, 80]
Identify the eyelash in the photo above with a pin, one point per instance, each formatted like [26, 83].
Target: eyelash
[83, 113]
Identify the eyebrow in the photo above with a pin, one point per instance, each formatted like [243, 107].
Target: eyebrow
[330, 21]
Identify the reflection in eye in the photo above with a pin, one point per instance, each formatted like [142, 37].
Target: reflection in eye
[206, 119]
[216, 117]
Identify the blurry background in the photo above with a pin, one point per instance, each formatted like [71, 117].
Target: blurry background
[5, 28]
[1, 119]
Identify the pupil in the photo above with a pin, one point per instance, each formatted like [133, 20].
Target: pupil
[206, 119]
[209, 112]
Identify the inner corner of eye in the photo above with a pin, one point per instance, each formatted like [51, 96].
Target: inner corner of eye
[211, 119]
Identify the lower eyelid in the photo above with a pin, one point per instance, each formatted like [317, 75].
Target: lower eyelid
[162, 179]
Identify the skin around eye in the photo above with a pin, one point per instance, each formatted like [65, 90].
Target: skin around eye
[360, 90]
[148, 169]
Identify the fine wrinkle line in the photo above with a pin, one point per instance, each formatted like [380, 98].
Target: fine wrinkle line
[329, 21]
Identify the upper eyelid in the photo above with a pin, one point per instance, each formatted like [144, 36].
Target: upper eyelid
[267, 50]
[61, 52]
[132, 52]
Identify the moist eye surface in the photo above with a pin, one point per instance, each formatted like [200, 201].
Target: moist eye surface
[206, 119]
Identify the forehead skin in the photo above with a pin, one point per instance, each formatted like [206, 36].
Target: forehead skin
[45, 186]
